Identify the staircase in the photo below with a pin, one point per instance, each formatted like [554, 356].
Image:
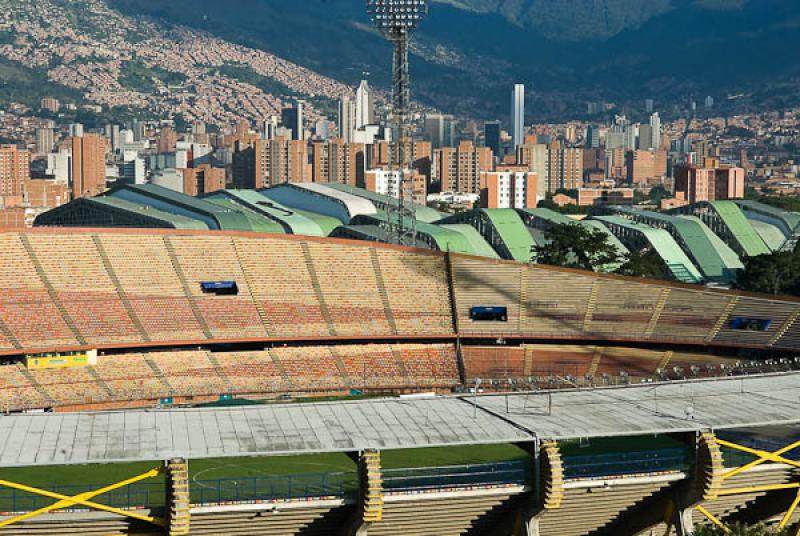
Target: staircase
[101, 382]
[312, 274]
[173, 259]
[387, 307]
[159, 374]
[371, 487]
[38, 386]
[178, 511]
[219, 370]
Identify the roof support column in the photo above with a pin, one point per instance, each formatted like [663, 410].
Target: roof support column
[370, 493]
[178, 502]
[548, 484]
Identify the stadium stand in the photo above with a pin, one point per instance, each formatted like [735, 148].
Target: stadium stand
[122, 288]
[148, 378]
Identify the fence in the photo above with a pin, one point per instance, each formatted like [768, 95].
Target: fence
[627, 463]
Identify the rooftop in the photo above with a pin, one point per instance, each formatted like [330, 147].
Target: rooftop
[284, 429]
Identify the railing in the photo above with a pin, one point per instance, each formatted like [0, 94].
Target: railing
[627, 463]
[136, 496]
[736, 458]
[430, 478]
[252, 489]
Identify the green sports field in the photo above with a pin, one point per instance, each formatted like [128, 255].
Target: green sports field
[218, 479]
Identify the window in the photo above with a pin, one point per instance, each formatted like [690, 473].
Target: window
[750, 324]
[220, 288]
[489, 314]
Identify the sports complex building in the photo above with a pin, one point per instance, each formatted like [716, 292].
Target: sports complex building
[703, 243]
[194, 381]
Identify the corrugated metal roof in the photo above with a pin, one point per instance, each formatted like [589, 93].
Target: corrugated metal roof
[790, 220]
[708, 254]
[164, 198]
[289, 219]
[664, 245]
[477, 244]
[283, 429]
[355, 205]
[771, 235]
[743, 232]
[548, 215]
[424, 214]
[512, 231]
[178, 221]
[258, 222]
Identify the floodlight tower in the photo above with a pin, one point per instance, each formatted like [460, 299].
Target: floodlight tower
[397, 20]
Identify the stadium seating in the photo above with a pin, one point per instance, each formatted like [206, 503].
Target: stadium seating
[189, 373]
[148, 279]
[251, 372]
[102, 289]
[416, 286]
[18, 390]
[347, 281]
[429, 365]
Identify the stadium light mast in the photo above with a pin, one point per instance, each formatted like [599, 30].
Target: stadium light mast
[397, 20]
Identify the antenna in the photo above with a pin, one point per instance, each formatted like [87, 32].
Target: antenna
[396, 20]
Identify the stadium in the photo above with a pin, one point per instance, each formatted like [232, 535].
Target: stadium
[168, 381]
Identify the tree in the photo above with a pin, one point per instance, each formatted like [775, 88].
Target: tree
[774, 273]
[657, 193]
[572, 245]
[645, 265]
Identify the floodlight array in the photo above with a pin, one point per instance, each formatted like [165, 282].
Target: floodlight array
[397, 15]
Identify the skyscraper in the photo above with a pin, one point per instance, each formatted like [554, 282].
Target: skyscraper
[655, 124]
[14, 171]
[88, 165]
[434, 130]
[365, 114]
[593, 136]
[347, 119]
[292, 118]
[518, 115]
[491, 133]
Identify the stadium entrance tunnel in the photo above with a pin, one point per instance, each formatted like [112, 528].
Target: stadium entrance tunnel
[621, 486]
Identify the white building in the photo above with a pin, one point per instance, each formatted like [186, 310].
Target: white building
[518, 115]
[364, 106]
[59, 166]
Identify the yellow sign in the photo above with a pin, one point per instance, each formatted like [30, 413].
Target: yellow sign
[56, 361]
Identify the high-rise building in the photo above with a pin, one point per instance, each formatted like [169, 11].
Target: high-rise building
[88, 165]
[347, 119]
[263, 163]
[565, 167]
[435, 130]
[365, 105]
[292, 118]
[50, 104]
[649, 105]
[76, 129]
[645, 138]
[646, 166]
[167, 139]
[269, 128]
[509, 189]
[338, 162]
[655, 126]
[45, 140]
[14, 171]
[592, 137]
[694, 184]
[491, 134]
[388, 183]
[203, 179]
[459, 169]
[518, 115]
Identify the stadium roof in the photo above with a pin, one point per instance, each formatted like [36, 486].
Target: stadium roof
[424, 214]
[513, 231]
[548, 215]
[291, 220]
[386, 424]
[257, 221]
[320, 199]
[740, 227]
[772, 236]
[442, 237]
[664, 245]
[167, 200]
[711, 255]
[788, 221]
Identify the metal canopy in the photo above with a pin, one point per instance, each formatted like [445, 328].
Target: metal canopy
[284, 429]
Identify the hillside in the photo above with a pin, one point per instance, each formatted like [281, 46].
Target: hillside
[468, 52]
[84, 52]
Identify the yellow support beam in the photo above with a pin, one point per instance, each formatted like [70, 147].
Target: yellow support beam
[83, 499]
[789, 512]
[759, 489]
[713, 519]
[763, 456]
